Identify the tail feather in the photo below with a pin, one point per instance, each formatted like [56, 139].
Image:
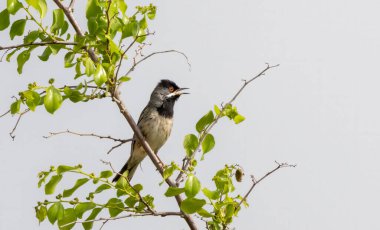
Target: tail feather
[131, 169]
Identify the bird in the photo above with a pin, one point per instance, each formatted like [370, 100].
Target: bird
[155, 123]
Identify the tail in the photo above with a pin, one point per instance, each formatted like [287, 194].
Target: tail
[129, 168]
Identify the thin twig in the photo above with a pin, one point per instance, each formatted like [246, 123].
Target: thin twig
[255, 182]
[208, 128]
[17, 122]
[71, 6]
[2, 115]
[155, 53]
[37, 44]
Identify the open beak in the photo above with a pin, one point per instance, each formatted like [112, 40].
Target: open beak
[178, 92]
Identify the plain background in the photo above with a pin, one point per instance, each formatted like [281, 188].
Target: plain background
[319, 109]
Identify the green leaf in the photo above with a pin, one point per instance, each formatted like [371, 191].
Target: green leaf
[230, 210]
[46, 54]
[168, 172]
[92, 25]
[55, 212]
[68, 217]
[174, 191]
[21, 59]
[39, 5]
[100, 75]
[64, 168]
[81, 208]
[152, 13]
[192, 205]
[190, 143]
[192, 186]
[213, 195]
[31, 37]
[90, 68]
[4, 19]
[15, 107]
[8, 58]
[106, 174]
[143, 23]
[58, 20]
[124, 79]
[102, 187]
[115, 206]
[131, 201]
[122, 6]
[202, 212]
[41, 213]
[53, 99]
[92, 216]
[78, 183]
[204, 121]
[50, 186]
[130, 29]
[69, 57]
[13, 6]
[208, 143]
[17, 28]
[217, 110]
[92, 9]
[238, 118]
[32, 99]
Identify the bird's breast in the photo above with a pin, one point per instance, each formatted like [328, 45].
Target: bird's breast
[156, 130]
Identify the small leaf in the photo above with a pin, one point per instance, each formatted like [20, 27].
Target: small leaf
[115, 206]
[78, 183]
[90, 68]
[92, 216]
[238, 118]
[106, 174]
[168, 172]
[17, 28]
[13, 6]
[192, 186]
[4, 19]
[39, 5]
[53, 99]
[102, 187]
[55, 212]
[122, 6]
[21, 59]
[130, 29]
[58, 20]
[202, 212]
[131, 201]
[64, 168]
[92, 9]
[213, 195]
[81, 208]
[192, 205]
[124, 79]
[100, 75]
[15, 107]
[217, 110]
[208, 143]
[46, 54]
[50, 186]
[41, 213]
[190, 143]
[32, 36]
[32, 99]
[8, 58]
[204, 121]
[69, 57]
[152, 13]
[174, 191]
[69, 216]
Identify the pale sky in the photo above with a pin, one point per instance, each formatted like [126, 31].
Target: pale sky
[319, 110]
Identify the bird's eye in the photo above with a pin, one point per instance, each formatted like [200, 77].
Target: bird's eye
[171, 89]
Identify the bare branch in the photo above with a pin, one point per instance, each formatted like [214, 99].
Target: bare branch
[186, 164]
[17, 122]
[156, 161]
[162, 214]
[71, 6]
[2, 115]
[37, 44]
[255, 182]
[155, 53]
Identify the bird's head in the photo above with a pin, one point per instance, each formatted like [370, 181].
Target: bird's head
[164, 96]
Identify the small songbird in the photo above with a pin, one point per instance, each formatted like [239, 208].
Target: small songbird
[155, 123]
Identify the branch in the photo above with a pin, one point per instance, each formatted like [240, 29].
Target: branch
[122, 141]
[162, 214]
[255, 182]
[157, 163]
[2, 115]
[37, 44]
[17, 122]
[69, 14]
[208, 129]
[155, 53]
